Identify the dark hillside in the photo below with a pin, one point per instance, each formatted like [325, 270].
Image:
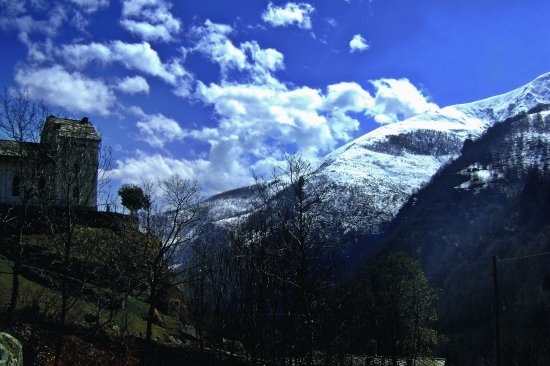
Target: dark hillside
[106, 321]
[494, 200]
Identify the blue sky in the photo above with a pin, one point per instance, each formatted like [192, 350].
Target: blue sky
[213, 89]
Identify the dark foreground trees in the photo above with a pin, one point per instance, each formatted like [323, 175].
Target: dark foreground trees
[268, 282]
[393, 309]
[21, 122]
[266, 275]
[295, 209]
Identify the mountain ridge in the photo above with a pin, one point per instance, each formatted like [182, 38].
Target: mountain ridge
[370, 178]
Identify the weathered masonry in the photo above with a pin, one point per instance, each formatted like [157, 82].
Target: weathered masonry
[61, 169]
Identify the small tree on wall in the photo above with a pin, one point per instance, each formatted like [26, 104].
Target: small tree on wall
[133, 198]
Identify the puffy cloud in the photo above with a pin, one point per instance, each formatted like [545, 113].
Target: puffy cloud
[260, 118]
[291, 14]
[134, 56]
[151, 167]
[358, 44]
[341, 99]
[157, 166]
[133, 85]
[141, 57]
[257, 121]
[72, 91]
[91, 6]
[398, 99]
[157, 129]
[212, 41]
[348, 97]
[263, 59]
[37, 51]
[247, 59]
[150, 19]
[16, 17]
[80, 55]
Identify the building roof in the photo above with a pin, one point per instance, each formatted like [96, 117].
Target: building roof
[74, 128]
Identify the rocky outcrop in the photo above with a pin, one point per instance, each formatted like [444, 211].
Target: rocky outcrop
[11, 351]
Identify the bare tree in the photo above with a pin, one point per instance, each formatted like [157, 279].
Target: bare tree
[21, 122]
[295, 209]
[173, 220]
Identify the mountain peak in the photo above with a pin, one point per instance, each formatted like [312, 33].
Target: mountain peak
[375, 174]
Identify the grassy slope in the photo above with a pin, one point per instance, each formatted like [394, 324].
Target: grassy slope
[31, 291]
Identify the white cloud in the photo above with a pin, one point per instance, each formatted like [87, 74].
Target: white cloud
[141, 57]
[212, 41]
[37, 51]
[134, 56]
[80, 55]
[151, 167]
[157, 129]
[248, 58]
[150, 19]
[348, 97]
[72, 91]
[16, 18]
[291, 14]
[258, 123]
[157, 166]
[398, 99]
[358, 44]
[147, 31]
[91, 6]
[259, 118]
[133, 85]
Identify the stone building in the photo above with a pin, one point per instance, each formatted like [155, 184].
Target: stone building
[61, 169]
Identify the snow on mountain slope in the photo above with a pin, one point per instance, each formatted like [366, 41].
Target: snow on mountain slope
[370, 178]
[389, 163]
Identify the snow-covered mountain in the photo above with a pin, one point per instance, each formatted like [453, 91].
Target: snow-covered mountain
[370, 178]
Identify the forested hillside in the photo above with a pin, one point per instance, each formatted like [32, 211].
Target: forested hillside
[494, 200]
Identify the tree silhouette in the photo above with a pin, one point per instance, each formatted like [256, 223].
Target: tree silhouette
[133, 198]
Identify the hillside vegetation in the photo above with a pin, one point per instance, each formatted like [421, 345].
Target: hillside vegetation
[102, 327]
[494, 200]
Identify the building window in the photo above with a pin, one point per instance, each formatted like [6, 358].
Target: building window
[16, 186]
